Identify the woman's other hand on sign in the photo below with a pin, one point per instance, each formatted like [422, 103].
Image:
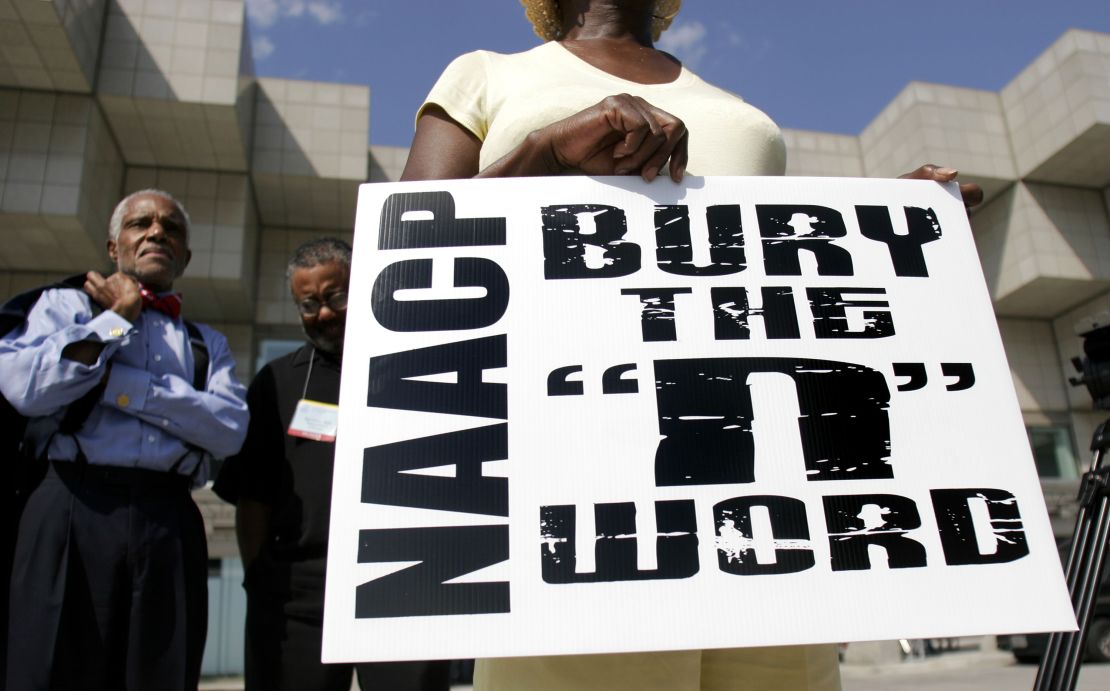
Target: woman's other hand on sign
[621, 135]
[972, 194]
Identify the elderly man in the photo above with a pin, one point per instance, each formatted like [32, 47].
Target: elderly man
[109, 588]
[281, 485]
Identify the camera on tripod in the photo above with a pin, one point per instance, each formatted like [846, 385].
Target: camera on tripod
[1094, 369]
[1060, 663]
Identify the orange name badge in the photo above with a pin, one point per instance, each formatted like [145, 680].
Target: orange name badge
[314, 420]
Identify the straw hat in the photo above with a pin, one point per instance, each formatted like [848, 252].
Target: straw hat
[547, 23]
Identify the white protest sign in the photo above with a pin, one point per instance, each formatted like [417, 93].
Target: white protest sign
[596, 415]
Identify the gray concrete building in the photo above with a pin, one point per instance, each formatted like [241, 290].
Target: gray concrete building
[1040, 148]
[101, 97]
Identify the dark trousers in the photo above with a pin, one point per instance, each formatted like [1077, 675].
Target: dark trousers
[283, 654]
[109, 588]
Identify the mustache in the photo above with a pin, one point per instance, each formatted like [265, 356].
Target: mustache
[322, 340]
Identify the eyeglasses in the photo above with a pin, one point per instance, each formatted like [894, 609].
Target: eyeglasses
[310, 307]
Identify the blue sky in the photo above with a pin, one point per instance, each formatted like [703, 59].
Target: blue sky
[828, 65]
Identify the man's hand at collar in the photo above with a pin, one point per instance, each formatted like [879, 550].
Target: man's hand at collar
[118, 293]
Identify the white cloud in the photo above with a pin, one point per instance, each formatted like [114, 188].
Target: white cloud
[292, 8]
[262, 48]
[325, 12]
[686, 41]
[265, 13]
[262, 12]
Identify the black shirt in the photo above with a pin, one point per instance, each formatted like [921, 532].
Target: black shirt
[289, 474]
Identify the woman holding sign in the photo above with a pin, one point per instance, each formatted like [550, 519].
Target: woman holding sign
[598, 99]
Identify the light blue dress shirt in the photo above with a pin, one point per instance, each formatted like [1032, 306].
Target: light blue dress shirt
[149, 415]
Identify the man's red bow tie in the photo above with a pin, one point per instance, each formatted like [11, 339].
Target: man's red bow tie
[169, 305]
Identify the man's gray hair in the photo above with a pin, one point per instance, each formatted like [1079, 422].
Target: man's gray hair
[319, 251]
[115, 225]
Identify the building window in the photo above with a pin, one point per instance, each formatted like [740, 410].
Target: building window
[1053, 451]
[270, 349]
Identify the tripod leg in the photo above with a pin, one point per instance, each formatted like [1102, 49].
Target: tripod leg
[1059, 666]
[1091, 578]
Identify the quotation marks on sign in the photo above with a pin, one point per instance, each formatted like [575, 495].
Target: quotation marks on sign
[917, 375]
[613, 381]
[617, 379]
[706, 414]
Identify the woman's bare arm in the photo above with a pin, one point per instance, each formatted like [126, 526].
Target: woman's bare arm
[441, 149]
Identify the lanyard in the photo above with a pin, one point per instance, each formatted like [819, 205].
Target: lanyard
[308, 375]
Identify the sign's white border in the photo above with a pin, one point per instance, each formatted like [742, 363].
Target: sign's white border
[600, 448]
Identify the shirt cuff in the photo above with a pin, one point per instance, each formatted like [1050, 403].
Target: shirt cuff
[109, 327]
[127, 388]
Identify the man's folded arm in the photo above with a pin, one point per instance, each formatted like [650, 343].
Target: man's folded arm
[38, 377]
[214, 419]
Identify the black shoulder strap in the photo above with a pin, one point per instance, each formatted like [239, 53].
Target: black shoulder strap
[200, 356]
[200, 382]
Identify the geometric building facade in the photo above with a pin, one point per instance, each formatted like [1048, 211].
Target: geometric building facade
[1040, 148]
[102, 97]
